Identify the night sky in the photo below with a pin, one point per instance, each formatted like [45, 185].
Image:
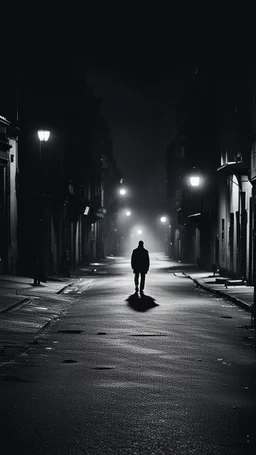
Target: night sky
[138, 58]
[141, 124]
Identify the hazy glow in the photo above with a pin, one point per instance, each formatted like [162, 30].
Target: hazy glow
[150, 233]
[122, 191]
[194, 180]
[163, 219]
[43, 135]
[128, 213]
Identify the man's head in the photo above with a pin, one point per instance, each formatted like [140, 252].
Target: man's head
[141, 243]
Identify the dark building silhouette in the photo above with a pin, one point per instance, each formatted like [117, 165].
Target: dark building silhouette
[214, 225]
[73, 167]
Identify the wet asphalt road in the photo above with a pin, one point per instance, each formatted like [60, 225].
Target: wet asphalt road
[173, 373]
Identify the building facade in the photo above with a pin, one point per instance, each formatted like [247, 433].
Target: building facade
[73, 172]
[193, 210]
[235, 222]
[214, 226]
[8, 197]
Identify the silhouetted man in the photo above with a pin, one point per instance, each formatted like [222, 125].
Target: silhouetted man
[140, 266]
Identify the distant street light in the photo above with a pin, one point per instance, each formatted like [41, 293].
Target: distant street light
[39, 272]
[139, 231]
[128, 213]
[163, 219]
[43, 135]
[121, 192]
[195, 180]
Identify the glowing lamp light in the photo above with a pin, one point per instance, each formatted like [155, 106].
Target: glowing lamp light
[139, 231]
[43, 135]
[163, 219]
[122, 192]
[128, 213]
[195, 180]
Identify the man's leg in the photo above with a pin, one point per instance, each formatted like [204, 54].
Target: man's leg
[136, 281]
[142, 281]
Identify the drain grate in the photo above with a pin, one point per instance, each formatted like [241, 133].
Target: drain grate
[69, 331]
[227, 317]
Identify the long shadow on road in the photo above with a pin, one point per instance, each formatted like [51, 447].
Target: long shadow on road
[141, 303]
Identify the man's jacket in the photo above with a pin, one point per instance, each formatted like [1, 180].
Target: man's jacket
[140, 260]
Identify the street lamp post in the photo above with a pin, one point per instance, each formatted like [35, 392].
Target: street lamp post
[39, 272]
[123, 222]
[164, 221]
[121, 192]
[196, 181]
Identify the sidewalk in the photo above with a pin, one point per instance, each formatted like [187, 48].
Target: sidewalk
[242, 295]
[14, 290]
